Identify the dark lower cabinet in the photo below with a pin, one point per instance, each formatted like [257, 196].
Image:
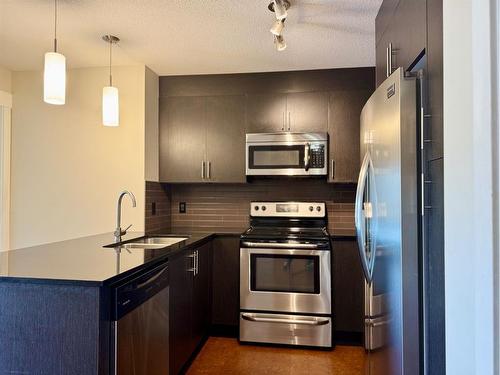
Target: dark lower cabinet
[226, 282]
[201, 301]
[190, 307]
[181, 295]
[348, 288]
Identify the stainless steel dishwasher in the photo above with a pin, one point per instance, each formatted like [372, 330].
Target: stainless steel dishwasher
[140, 326]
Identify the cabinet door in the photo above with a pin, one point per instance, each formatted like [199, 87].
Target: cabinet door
[201, 308]
[307, 112]
[409, 31]
[226, 138]
[181, 294]
[343, 129]
[226, 281]
[266, 113]
[381, 59]
[348, 281]
[182, 138]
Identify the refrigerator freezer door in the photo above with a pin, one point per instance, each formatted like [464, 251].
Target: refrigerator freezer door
[388, 135]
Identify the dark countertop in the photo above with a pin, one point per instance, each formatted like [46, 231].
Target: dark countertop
[85, 261]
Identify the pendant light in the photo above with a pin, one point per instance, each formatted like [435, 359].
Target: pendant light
[110, 98]
[54, 73]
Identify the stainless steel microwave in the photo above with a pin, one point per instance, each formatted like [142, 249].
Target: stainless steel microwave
[287, 154]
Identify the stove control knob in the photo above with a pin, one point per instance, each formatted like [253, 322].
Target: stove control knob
[311, 208]
[256, 208]
[318, 208]
[263, 208]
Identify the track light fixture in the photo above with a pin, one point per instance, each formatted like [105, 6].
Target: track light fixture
[279, 7]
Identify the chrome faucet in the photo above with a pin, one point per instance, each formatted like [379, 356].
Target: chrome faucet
[119, 232]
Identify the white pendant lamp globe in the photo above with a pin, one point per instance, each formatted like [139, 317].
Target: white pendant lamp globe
[110, 96]
[54, 72]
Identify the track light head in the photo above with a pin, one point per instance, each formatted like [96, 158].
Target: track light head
[279, 7]
[277, 28]
[279, 42]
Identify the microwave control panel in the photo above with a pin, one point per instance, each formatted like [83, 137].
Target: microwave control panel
[317, 156]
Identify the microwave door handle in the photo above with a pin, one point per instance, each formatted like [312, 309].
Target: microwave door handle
[307, 156]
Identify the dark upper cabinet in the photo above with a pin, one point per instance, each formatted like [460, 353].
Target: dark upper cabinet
[405, 28]
[182, 138]
[343, 129]
[307, 112]
[384, 17]
[294, 112]
[225, 120]
[196, 136]
[266, 113]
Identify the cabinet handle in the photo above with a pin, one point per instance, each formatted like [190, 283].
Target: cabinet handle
[197, 262]
[387, 58]
[332, 169]
[203, 170]
[289, 121]
[284, 121]
[193, 268]
[209, 169]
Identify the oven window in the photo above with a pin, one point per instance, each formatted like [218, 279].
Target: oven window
[268, 157]
[284, 273]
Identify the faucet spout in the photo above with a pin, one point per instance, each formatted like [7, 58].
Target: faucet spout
[119, 232]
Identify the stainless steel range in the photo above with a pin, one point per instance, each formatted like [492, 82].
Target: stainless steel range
[285, 275]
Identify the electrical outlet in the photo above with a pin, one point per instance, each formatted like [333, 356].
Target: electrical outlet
[182, 207]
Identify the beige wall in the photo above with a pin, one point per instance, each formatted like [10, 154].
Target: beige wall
[152, 136]
[67, 169]
[5, 80]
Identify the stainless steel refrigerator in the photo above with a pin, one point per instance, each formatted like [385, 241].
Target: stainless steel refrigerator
[387, 217]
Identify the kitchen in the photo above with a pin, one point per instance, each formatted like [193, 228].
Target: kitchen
[211, 188]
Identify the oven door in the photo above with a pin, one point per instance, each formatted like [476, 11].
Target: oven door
[285, 280]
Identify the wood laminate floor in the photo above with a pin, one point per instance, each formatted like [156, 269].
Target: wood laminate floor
[226, 356]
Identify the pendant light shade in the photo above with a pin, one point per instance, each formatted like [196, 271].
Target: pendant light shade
[54, 72]
[110, 96]
[110, 106]
[54, 79]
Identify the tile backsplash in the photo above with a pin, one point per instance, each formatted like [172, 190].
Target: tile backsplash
[158, 195]
[225, 208]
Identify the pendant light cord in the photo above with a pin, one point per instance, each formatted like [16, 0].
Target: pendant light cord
[110, 61]
[55, 25]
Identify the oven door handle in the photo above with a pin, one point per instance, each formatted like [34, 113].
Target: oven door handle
[266, 245]
[316, 322]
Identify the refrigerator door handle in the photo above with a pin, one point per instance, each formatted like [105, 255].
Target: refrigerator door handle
[358, 218]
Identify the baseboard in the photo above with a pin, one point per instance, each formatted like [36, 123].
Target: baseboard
[348, 338]
[221, 330]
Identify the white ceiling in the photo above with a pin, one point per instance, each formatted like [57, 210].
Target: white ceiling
[190, 36]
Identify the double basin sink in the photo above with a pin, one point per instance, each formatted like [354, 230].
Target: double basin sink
[153, 242]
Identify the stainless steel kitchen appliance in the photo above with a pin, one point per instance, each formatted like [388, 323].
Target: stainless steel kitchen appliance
[285, 275]
[140, 324]
[287, 154]
[387, 211]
